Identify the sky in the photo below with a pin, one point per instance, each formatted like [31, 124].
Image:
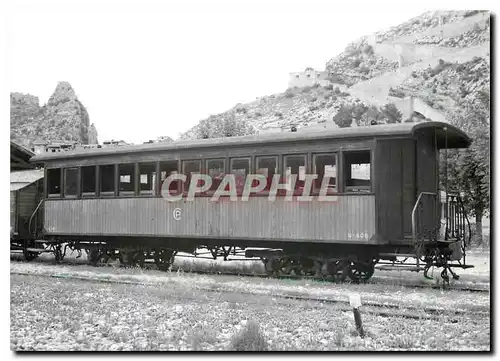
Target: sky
[145, 69]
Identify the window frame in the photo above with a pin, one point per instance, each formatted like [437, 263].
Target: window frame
[133, 180]
[65, 171]
[183, 189]
[296, 192]
[107, 194]
[205, 170]
[61, 182]
[88, 194]
[364, 189]
[147, 193]
[230, 170]
[265, 192]
[315, 190]
[178, 162]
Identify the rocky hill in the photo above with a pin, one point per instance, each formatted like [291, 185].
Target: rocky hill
[63, 118]
[427, 57]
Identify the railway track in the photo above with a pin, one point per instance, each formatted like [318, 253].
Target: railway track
[369, 307]
[374, 280]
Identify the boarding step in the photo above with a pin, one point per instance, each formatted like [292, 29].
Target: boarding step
[38, 250]
[264, 253]
[406, 255]
[400, 268]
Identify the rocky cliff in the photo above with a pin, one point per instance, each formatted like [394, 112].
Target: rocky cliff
[370, 73]
[63, 118]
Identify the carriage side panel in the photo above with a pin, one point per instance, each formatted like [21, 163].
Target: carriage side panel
[349, 219]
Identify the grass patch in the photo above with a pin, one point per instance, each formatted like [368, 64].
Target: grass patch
[250, 338]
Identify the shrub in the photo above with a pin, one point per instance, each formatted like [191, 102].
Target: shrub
[258, 114]
[356, 62]
[250, 338]
[316, 85]
[306, 89]
[364, 69]
[279, 114]
[329, 87]
[289, 93]
[335, 78]
[396, 93]
[392, 113]
[368, 50]
[313, 99]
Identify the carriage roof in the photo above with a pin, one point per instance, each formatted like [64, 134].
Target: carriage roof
[446, 135]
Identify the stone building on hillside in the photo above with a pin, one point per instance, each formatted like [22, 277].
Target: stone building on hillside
[308, 77]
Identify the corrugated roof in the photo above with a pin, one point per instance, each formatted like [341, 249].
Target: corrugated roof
[398, 129]
[22, 178]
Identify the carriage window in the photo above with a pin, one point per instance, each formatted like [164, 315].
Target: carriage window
[107, 179]
[357, 171]
[147, 178]
[240, 167]
[325, 165]
[295, 164]
[215, 169]
[166, 169]
[268, 167]
[88, 181]
[127, 178]
[54, 182]
[70, 182]
[189, 168]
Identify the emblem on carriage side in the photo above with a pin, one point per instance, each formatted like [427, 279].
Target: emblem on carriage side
[177, 214]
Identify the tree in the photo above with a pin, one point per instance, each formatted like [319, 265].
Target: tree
[392, 113]
[468, 170]
[223, 125]
[344, 116]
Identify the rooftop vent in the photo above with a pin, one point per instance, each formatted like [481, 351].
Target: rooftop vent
[294, 128]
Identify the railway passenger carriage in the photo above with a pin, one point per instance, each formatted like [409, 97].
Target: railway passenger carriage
[383, 201]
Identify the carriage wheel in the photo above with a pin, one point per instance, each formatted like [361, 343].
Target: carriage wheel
[272, 266]
[58, 254]
[30, 256]
[164, 258]
[94, 256]
[133, 259]
[361, 271]
[339, 270]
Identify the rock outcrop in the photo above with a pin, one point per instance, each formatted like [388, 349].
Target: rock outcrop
[63, 118]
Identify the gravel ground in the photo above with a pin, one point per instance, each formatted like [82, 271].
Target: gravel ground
[176, 314]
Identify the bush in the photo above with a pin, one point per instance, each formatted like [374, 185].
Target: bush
[392, 113]
[250, 338]
[278, 114]
[258, 114]
[356, 62]
[313, 99]
[289, 93]
[306, 89]
[329, 87]
[364, 69]
[334, 78]
[396, 93]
